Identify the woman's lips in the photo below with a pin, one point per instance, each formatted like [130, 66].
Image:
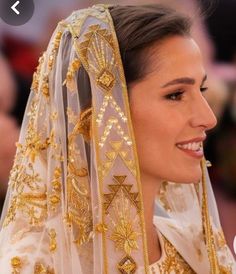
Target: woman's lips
[192, 147]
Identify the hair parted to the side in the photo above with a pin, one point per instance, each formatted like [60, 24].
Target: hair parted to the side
[138, 28]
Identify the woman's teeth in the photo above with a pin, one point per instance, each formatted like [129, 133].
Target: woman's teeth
[191, 146]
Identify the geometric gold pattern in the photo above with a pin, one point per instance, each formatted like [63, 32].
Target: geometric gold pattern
[115, 188]
[111, 157]
[106, 80]
[127, 265]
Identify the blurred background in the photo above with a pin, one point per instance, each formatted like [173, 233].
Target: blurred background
[214, 30]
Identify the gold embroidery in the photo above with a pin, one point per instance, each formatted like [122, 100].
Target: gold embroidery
[115, 188]
[225, 269]
[55, 197]
[207, 227]
[99, 52]
[173, 261]
[55, 47]
[94, 47]
[109, 100]
[78, 197]
[53, 241]
[72, 116]
[221, 246]
[32, 205]
[124, 231]
[29, 193]
[162, 196]
[16, 264]
[34, 145]
[220, 239]
[114, 123]
[70, 80]
[127, 265]
[36, 75]
[39, 268]
[106, 80]
[45, 86]
[85, 46]
[83, 126]
[111, 155]
[101, 228]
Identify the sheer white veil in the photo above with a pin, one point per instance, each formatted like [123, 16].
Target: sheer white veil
[74, 203]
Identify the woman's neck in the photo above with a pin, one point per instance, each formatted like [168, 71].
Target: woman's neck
[150, 188]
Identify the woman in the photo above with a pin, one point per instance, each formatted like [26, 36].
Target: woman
[83, 189]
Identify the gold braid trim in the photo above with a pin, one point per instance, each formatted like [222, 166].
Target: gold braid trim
[207, 228]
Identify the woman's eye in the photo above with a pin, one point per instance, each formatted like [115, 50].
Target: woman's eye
[203, 89]
[176, 96]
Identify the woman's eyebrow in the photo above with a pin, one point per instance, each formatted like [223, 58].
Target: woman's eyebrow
[183, 80]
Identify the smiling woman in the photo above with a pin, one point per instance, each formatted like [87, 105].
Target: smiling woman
[114, 128]
[172, 90]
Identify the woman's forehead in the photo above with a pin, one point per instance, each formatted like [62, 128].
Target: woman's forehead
[176, 57]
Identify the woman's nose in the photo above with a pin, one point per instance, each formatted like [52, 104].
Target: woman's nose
[203, 114]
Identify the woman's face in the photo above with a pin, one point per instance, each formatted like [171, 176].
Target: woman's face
[170, 114]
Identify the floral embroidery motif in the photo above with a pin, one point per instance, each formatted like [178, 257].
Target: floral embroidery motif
[173, 262]
[33, 205]
[124, 233]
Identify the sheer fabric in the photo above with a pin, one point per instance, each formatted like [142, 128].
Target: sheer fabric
[74, 203]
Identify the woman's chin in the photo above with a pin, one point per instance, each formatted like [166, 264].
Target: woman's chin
[189, 177]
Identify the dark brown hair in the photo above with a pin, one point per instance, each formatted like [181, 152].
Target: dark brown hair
[138, 28]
